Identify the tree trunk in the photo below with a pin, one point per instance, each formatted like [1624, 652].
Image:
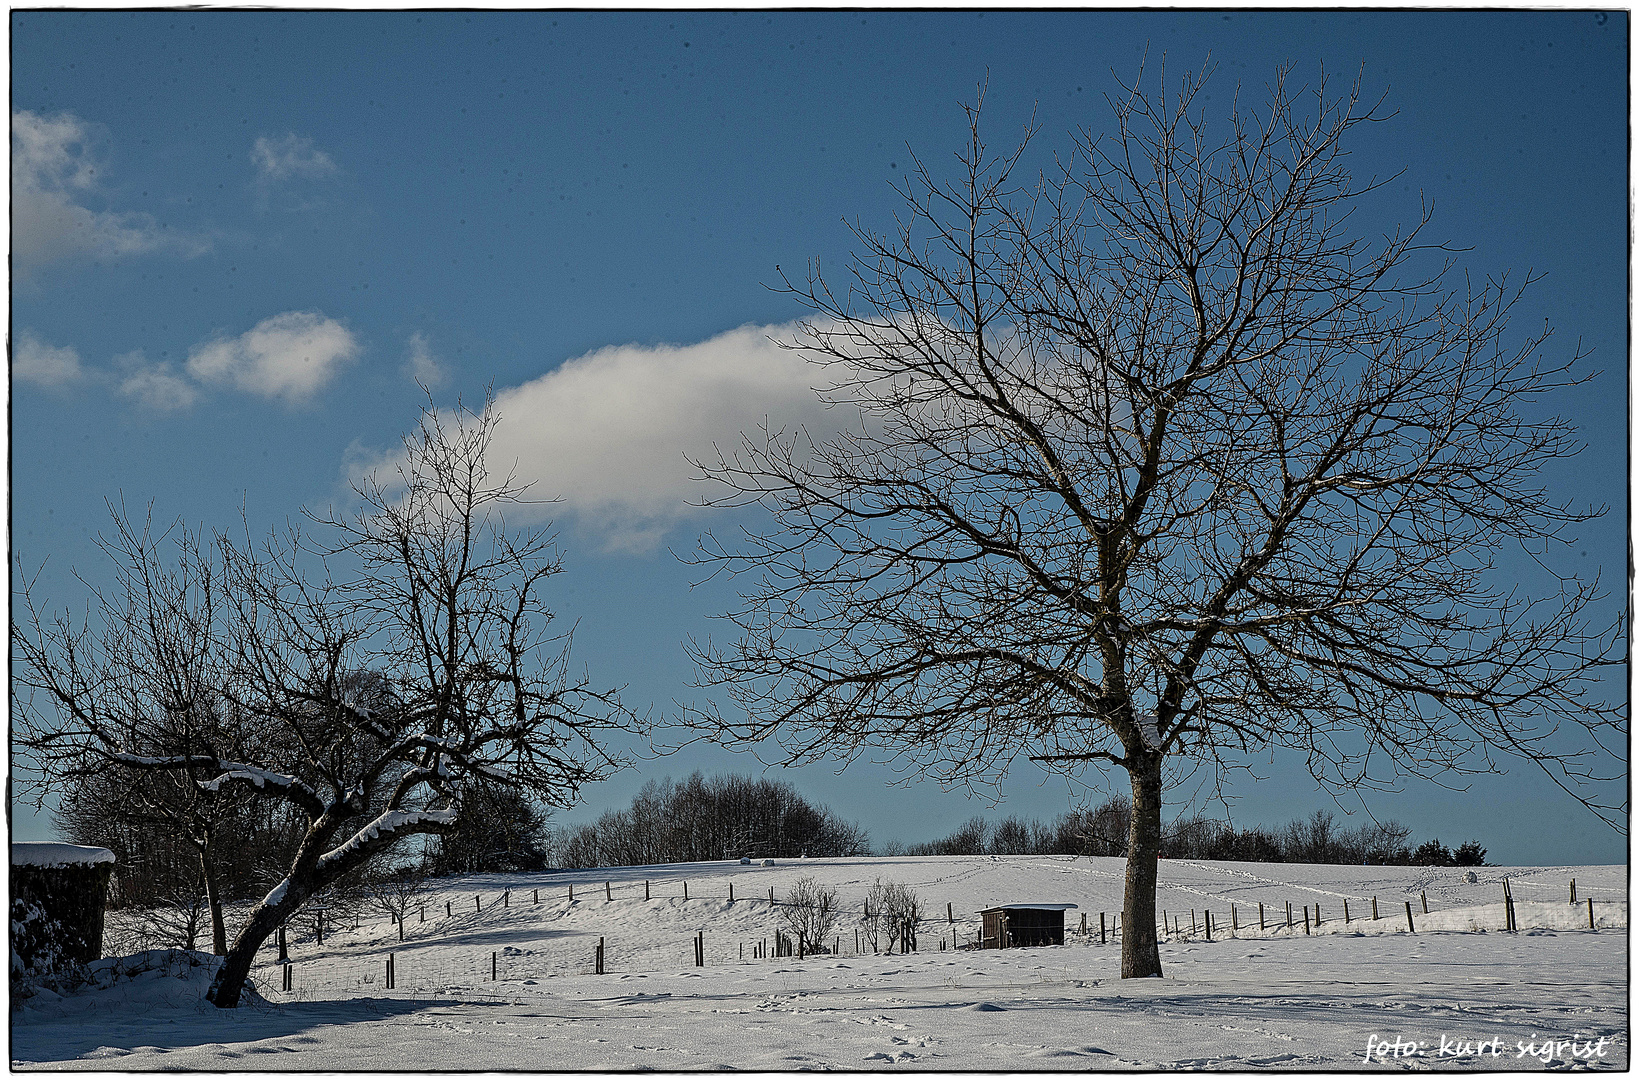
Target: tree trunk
[1140, 950]
[230, 980]
[213, 896]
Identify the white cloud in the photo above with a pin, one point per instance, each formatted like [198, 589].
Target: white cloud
[610, 432]
[290, 356]
[32, 360]
[290, 155]
[156, 386]
[421, 365]
[53, 172]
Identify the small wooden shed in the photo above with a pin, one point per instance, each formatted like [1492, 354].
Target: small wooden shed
[1013, 926]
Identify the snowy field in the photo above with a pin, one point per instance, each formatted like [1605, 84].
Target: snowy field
[509, 984]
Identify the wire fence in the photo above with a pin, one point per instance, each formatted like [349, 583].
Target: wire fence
[431, 967]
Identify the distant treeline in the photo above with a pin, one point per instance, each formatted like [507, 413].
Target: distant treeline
[1314, 839]
[718, 818]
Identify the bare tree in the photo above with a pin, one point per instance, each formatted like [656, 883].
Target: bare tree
[810, 912]
[360, 676]
[1158, 466]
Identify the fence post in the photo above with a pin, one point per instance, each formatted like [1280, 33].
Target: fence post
[284, 951]
[287, 977]
[685, 890]
[1305, 918]
[1425, 902]
[950, 913]
[600, 956]
[645, 890]
[423, 912]
[1260, 916]
[320, 925]
[771, 894]
[1409, 924]
[571, 892]
[1374, 909]
[400, 931]
[1206, 917]
[494, 968]
[1317, 914]
[731, 892]
[1234, 920]
[1101, 938]
[1573, 890]
[1289, 914]
[1345, 913]
[389, 971]
[477, 902]
[537, 896]
[1590, 914]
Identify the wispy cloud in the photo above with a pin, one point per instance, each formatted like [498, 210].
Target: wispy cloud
[290, 156]
[53, 176]
[421, 365]
[32, 360]
[611, 433]
[290, 356]
[158, 387]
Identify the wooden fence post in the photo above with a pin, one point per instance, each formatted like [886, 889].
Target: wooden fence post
[284, 951]
[319, 923]
[494, 967]
[1234, 920]
[1590, 914]
[645, 890]
[1345, 912]
[1101, 928]
[1425, 903]
[608, 894]
[950, 913]
[1206, 917]
[506, 898]
[477, 903]
[1260, 916]
[600, 956]
[1317, 914]
[731, 892]
[1289, 914]
[1374, 909]
[447, 911]
[571, 892]
[1305, 918]
[389, 971]
[537, 896]
[685, 890]
[1573, 890]
[1409, 924]
[400, 931]
[423, 912]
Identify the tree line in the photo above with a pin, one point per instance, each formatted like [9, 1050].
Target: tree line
[1317, 838]
[701, 819]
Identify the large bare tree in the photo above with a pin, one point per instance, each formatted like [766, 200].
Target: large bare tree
[363, 672]
[1161, 464]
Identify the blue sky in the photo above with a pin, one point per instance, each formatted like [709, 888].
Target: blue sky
[585, 211]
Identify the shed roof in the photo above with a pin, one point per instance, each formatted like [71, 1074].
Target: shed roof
[1033, 907]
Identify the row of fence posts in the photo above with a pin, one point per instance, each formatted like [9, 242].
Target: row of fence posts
[785, 946]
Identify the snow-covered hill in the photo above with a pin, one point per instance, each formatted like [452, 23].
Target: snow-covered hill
[508, 984]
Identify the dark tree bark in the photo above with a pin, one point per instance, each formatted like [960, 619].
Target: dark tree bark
[1158, 467]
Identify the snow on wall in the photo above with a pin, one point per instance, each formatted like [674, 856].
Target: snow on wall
[49, 854]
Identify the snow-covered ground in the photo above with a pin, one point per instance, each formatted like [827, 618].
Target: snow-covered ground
[1468, 995]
